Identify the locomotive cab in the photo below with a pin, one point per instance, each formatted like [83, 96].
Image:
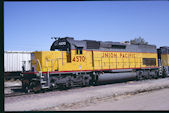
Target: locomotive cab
[62, 44]
[65, 55]
[163, 58]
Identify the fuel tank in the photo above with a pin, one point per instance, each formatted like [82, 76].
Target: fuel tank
[116, 77]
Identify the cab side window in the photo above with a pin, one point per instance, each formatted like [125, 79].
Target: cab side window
[79, 50]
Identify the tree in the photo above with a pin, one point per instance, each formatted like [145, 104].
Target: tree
[138, 41]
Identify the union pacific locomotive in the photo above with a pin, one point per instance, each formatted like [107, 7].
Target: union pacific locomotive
[87, 62]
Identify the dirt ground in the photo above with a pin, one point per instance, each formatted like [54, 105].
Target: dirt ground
[10, 83]
[154, 100]
[92, 98]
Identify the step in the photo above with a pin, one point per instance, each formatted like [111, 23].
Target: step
[43, 81]
[45, 87]
[42, 76]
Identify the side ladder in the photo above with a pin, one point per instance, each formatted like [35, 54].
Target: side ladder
[44, 78]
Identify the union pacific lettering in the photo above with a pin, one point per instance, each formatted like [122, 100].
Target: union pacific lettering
[107, 55]
[127, 55]
[119, 55]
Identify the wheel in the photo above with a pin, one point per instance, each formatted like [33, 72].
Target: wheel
[27, 90]
[139, 75]
[93, 82]
[37, 89]
[42, 91]
[70, 84]
[35, 86]
[148, 74]
[156, 75]
[164, 73]
[62, 86]
[87, 83]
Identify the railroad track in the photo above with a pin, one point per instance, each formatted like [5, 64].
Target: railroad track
[21, 93]
[12, 86]
[17, 91]
[17, 94]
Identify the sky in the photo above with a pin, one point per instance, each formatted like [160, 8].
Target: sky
[29, 26]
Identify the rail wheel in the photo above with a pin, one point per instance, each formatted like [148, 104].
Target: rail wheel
[26, 86]
[140, 75]
[148, 76]
[156, 75]
[92, 79]
[62, 86]
[27, 89]
[85, 81]
[70, 84]
[95, 80]
[164, 73]
[32, 86]
[36, 87]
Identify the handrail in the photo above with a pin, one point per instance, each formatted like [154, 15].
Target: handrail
[37, 60]
[47, 73]
[47, 66]
[134, 63]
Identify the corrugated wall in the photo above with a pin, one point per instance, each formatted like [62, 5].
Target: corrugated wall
[13, 60]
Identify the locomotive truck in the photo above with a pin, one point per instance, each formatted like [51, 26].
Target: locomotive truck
[87, 62]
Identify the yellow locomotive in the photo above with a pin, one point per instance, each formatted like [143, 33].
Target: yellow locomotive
[85, 62]
[163, 56]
